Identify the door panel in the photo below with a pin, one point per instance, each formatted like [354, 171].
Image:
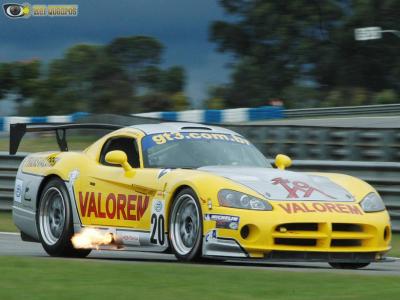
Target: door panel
[113, 199]
[132, 205]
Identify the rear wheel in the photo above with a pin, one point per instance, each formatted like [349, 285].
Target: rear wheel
[54, 221]
[186, 226]
[348, 265]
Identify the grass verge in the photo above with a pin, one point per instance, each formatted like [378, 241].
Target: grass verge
[6, 223]
[41, 278]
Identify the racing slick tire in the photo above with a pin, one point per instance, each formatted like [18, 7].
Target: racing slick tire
[348, 265]
[54, 221]
[186, 226]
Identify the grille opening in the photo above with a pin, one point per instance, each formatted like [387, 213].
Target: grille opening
[245, 231]
[346, 227]
[386, 233]
[345, 243]
[296, 242]
[298, 226]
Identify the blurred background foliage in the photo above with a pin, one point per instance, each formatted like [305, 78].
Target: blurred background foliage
[122, 77]
[302, 52]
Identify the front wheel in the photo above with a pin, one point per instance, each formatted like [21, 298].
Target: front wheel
[54, 221]
[348, 265]
[186, 226]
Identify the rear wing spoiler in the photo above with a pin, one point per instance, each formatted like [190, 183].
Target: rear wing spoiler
[18, 130]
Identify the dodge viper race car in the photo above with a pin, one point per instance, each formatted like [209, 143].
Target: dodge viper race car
[194, 190]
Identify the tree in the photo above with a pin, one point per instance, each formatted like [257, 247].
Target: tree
[281, 45]
[121, 77]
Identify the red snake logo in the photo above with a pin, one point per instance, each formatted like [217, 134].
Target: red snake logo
[297, 186]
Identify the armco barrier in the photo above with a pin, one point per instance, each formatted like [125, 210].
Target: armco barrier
[202, 116]
[382, 175]
[324, 142]
[219, 116]
[6, 121]
[244, 115]
[382, 109]
[226, 116]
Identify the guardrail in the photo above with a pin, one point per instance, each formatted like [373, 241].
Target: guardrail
[382, 109]
[382, 175]
[325, 142]
[219, 116]
[225, 116]
[6, 121]
[239, 115]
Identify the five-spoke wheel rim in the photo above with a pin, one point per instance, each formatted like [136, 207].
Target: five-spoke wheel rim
[185, 224]
[52, 215]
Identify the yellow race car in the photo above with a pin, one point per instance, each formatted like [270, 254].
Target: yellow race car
[197, 191]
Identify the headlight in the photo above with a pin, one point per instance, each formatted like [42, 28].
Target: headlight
[229, 198]
[372, 203]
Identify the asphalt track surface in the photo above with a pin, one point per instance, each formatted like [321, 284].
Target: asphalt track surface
[11, 245]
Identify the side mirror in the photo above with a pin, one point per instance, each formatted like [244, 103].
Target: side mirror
[282, 161]
[118, 157]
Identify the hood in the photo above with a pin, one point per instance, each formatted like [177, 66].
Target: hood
[281, 185]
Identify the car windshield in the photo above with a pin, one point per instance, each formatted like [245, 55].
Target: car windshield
[199, 149]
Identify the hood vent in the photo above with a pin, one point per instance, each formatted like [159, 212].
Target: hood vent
[195, 128]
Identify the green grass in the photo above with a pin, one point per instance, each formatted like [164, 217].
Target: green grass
[6, 223]
[44, 278]
[47, 142]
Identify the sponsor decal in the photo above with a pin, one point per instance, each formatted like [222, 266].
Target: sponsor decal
[18, 190]
[296, 187]
[158, 205]
[130, 238]
[157, 229]
[318, 207]
[41, 162]
[73, 176]
[168, 137]
[223, 221]
[117, 206]
[211, 235]
[163, 172]
[53, 159]
[36, 162]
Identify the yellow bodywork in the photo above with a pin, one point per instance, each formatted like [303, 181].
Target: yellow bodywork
[114, 197]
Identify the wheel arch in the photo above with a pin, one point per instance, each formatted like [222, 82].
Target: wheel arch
[175, 192]
[45, 180]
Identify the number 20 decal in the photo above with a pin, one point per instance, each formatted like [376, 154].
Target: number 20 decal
[157, 223]
[157, 220]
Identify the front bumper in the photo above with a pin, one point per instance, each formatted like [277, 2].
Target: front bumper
[302, 236]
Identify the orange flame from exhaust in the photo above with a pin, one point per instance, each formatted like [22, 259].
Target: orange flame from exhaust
[90, 238]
